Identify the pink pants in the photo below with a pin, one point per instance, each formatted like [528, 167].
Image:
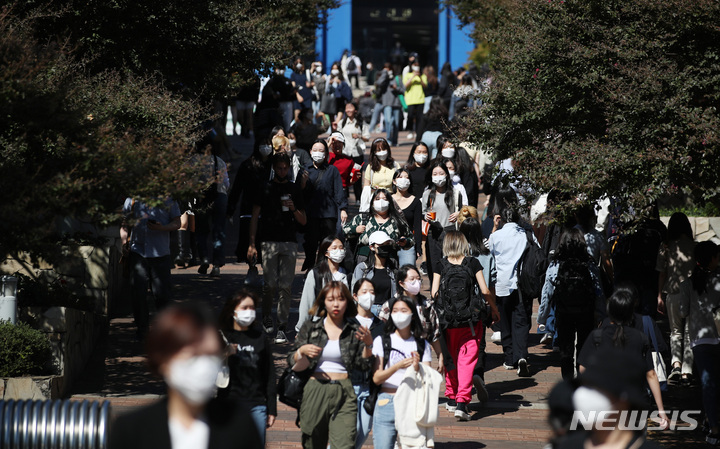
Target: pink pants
[464, 350]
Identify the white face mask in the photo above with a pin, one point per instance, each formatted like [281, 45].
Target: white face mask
[382, 155]
[318, 156]
[194, 378]
[265, 150]
[448, 152]
[416, 68]
[298, 66]
[413, 287]
[335, 72]
[587, 399]
[451, 172]
[292, 142]
[381, 205]
[337, 255]
[439, 180]
[318, 69]
[401, 319]
[369, 66]
[390, 73]
[420, 158]
[244, 318]
[402, 183]
[366, 300]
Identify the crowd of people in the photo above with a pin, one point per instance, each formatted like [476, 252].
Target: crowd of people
[366, 330]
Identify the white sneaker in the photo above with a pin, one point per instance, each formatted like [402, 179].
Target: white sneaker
[546, 336]
[280, 338]
[410, 136]
[496, 337]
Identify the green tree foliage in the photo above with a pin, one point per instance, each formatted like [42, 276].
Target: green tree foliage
[205, 47]
[73, 144]
[24, 351]
[616, 97]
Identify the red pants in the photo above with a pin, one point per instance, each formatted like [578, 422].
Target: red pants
[464, 348]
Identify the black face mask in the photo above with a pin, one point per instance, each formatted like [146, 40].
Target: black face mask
[384, 251]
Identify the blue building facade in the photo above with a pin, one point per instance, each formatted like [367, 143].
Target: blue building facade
[389, 30]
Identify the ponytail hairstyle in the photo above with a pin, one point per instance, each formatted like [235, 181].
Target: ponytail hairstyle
[620, 308]
[704, 254]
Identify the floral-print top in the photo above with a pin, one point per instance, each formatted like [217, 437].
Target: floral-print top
[428, 317]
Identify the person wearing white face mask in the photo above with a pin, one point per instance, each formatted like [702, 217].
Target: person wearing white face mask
[356, 133]
[250, 360]
[400, 347]
[464, 166]
[455, 177]
[384, 217]
[364, 295]
[441, 204]
[382, 167]
[330, 257]
[412, 211]
[409, 283]
[417, 166]
[415, 85]
[325, 200]
[183, 347]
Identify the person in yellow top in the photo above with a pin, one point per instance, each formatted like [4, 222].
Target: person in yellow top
[415, 85]
[380, 171]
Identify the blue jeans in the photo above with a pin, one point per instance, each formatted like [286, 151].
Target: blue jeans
[376, 309]
[707, 359]
[364, 421]
[407, 256]
[429, 138]
[392, 124]
[216, 215]
[258, 413]
[375, 116]
[384, 433]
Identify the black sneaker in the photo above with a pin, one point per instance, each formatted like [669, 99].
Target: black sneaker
[423, 269]
[268, 325]
[280, 338]
[675, 374]
[450, 405]
[202, 269]
[523, 370]
[713, 439]
[480, 390]
[461, 412]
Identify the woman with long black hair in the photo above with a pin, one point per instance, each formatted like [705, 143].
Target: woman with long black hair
[383, 216]
[406, 349]
[328, 268]
[699, 302]
[417, 165]
[441, 205]
[621, 334]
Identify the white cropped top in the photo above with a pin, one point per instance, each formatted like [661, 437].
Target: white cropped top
[331, 359]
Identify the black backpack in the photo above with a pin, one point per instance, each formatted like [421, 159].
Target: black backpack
[531, 269]
[458, 302]
[574, 287]
[351, 66]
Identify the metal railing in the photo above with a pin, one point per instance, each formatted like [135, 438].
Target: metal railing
[27, 424]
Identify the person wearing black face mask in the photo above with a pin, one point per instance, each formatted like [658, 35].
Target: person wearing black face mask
[380, 267]
[276, 212]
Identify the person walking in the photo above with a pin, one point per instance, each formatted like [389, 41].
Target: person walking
[415, 84]
[276, 213]
[331, 348]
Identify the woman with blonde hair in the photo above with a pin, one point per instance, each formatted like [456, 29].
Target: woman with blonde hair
[460, 313]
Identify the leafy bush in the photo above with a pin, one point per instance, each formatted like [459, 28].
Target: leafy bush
[24, 351]
[34, 292]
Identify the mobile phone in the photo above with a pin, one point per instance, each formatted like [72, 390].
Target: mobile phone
[155, 222]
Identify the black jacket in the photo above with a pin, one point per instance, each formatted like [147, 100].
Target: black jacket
[148, 428]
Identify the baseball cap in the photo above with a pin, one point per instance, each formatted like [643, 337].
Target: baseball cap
[379, 237]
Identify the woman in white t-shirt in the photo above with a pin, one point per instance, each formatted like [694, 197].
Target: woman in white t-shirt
[406, 349]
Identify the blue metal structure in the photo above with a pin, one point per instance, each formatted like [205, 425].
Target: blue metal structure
[453, 44]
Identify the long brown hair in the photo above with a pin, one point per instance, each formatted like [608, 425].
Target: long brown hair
[318, 308]
[226, 320]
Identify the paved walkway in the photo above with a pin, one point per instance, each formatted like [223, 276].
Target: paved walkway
[514, 417]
